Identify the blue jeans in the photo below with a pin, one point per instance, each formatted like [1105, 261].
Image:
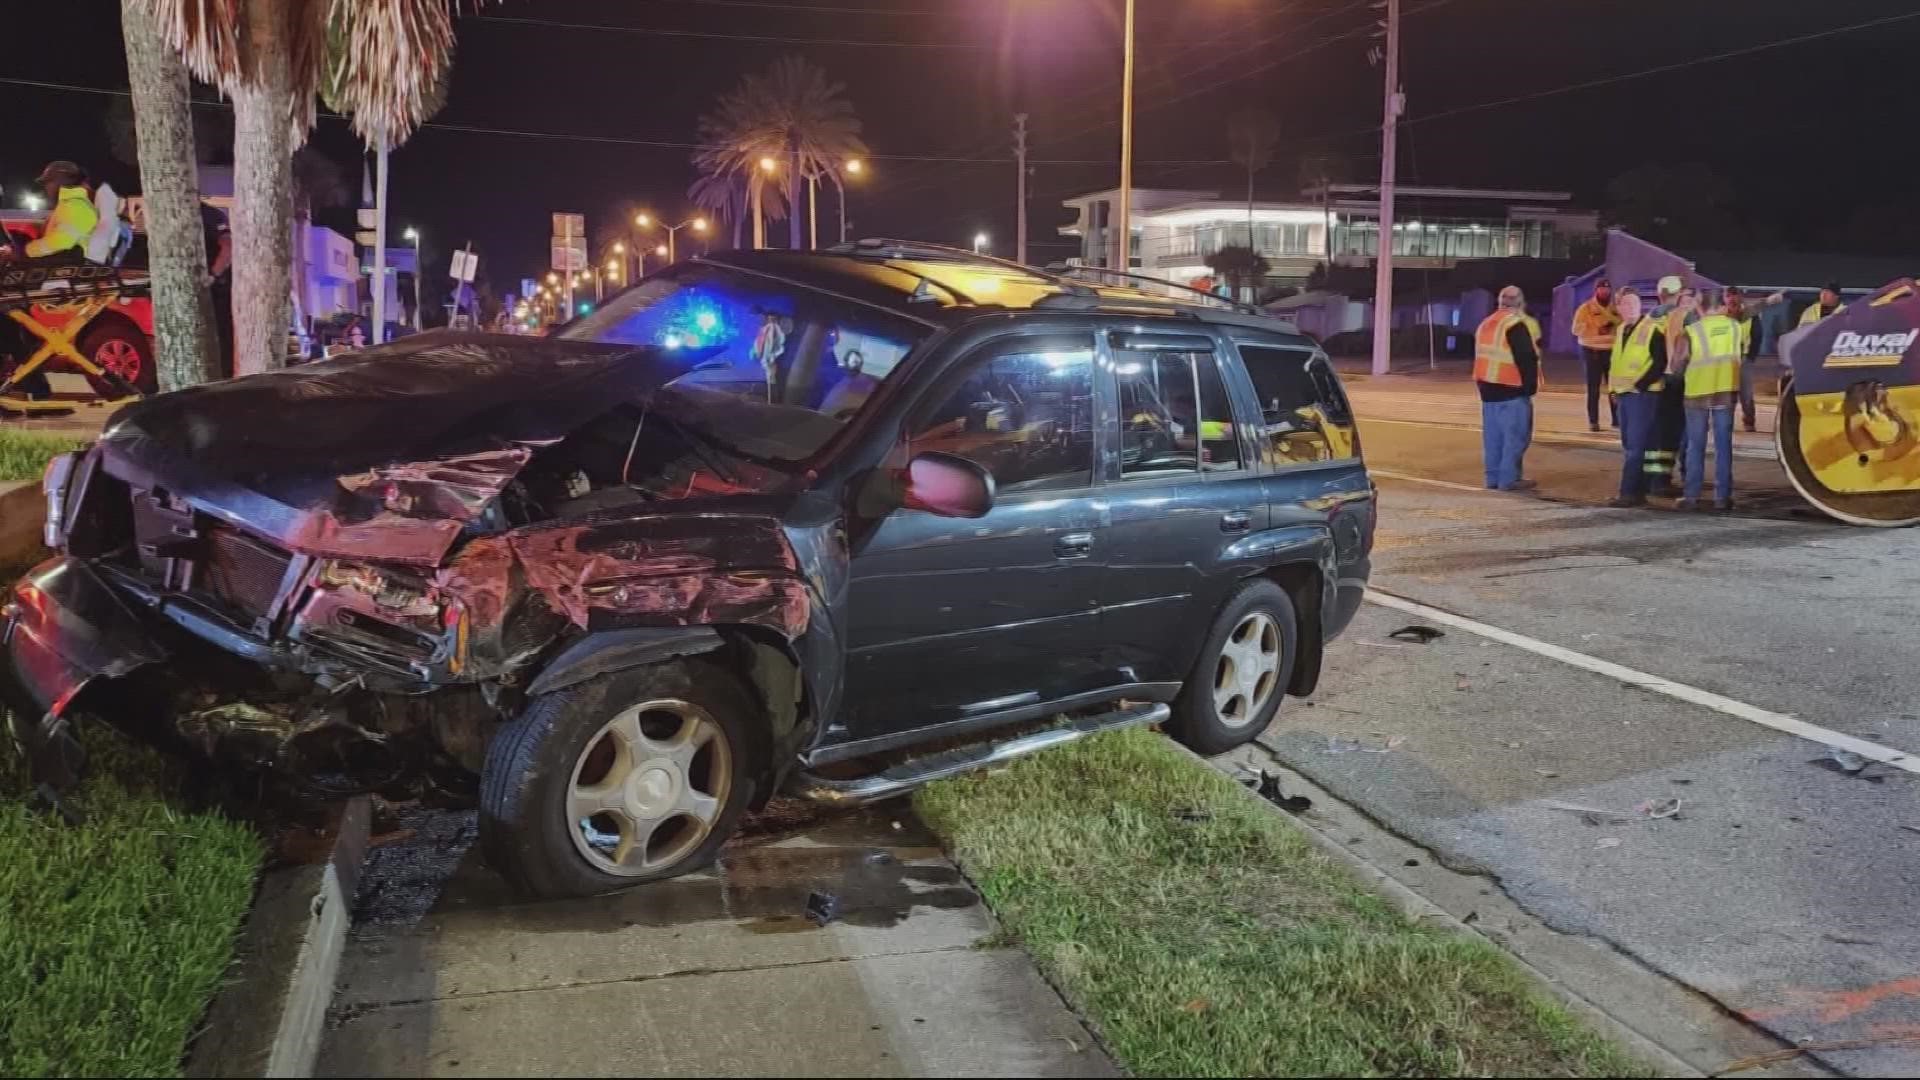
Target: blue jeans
[1722, 421]
[1506, 427]
[1638, 412]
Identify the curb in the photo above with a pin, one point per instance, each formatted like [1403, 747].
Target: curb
[1420, 909]
[22, 510]
[269, 1019]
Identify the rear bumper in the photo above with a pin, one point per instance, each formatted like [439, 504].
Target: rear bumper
[62, 627]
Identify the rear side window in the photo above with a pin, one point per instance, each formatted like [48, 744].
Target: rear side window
[1304, 414]
[1174, 412]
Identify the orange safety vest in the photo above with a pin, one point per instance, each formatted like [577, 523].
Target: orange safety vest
[1492, 359]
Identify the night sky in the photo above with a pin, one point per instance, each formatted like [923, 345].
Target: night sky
[1808, 133]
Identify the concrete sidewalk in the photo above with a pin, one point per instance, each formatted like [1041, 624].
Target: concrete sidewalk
[717, 975]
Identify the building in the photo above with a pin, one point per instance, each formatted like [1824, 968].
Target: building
[1797, 276]
[1174, 231]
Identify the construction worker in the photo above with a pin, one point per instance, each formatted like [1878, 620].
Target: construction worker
[1828, 306]
[72, 218]
[1675, 311]
[1636, 370]
[1749, 324]
[1709, 361]
[1506, 370]
[1593, 326]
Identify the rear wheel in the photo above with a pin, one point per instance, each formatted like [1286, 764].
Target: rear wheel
[627, 778]
[1242, 673]
[118, 346]
[1880, 509]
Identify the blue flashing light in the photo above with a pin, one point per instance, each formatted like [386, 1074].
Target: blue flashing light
[706, 321]
[586, 308]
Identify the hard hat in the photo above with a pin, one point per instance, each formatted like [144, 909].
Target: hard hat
[1671, 284]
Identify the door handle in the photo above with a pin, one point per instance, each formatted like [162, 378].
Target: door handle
[1236, 521]
[1073, 546]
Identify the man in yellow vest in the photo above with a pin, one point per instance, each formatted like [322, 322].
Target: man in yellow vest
[72, 217]
[1828, 306]
[1593, 326]
[1709, 360]
[1506, 370]
[1637, 373]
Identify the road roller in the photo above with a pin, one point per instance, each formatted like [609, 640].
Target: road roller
[1848, 432]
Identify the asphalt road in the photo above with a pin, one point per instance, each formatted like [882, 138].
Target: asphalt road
[1784, 888]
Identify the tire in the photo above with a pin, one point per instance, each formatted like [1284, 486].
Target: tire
[1264, 609]
[568, 745]
[120, 347]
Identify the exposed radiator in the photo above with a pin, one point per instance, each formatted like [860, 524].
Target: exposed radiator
[244, 572]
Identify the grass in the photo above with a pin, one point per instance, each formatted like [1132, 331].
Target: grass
[115, 933]
[24, 454]
[1203, 936]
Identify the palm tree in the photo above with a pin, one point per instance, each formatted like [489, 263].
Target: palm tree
[791, 114]
[1242, 266]
[1251, 136]
[1319, 170]
[730, 162]
[723, 197]
[186, 349]
[271, 58]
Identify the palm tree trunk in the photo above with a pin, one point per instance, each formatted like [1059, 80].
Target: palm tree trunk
[759, 220]
[793, 202]
[262, 193]
[186, 348]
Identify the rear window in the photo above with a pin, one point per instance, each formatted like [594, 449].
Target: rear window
[1304, 413]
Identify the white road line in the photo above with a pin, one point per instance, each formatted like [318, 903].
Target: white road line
[1411, 479]
[1690, 694]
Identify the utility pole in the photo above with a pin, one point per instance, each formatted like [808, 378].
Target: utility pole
[1121, 221]
[1383, 264]
[1020, 159]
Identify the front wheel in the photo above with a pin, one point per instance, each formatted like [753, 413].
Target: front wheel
[1242, 672]
[627, 778]
[117, 346]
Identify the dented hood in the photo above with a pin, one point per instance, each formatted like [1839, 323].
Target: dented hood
[385, 453]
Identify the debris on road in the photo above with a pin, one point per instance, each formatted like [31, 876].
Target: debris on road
[1911, 828]
[1595, 815]
[1775, 1057]
[1659, 808]
[822, 908]
[1417, 632]
[1548, 773]
[1267, 786]
[1849, 763]
[1460, 681]
[1379, 645]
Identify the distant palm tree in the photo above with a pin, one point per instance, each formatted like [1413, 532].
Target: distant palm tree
[1251, 136]
[1318, 171]
[1242, 266]
[790, 115]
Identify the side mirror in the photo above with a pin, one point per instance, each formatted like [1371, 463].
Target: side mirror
[946, 485]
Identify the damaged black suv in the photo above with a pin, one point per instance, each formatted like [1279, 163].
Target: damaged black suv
[828, 523]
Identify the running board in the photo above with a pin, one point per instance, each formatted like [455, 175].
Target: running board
[910, 774]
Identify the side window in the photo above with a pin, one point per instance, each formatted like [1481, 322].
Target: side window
[1023, 411]
[1304, 415]
[1174, 413]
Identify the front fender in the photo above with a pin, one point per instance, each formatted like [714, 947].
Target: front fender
[63, 627]
[617, 650]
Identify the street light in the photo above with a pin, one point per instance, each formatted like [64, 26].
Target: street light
[670, 249]
[853, 167]
[980, 242]
[553, 278]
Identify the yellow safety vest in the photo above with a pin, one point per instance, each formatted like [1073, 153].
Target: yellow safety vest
[1632, 355]
[68, 226]
[1713, 364]
[1812, 315]
[1492, 359]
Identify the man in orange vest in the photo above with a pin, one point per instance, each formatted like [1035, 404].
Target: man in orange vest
[1594, 323]
[1506, 371]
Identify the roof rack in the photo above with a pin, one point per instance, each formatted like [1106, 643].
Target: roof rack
[1178, 293]
[885, 247]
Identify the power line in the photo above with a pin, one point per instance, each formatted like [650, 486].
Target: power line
[811, 10]
[609, 28]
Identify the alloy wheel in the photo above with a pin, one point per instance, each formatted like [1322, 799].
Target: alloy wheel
[648, 787]
[1248, 670]
[118, 356]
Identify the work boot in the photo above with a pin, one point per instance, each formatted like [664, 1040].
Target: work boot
[1724, 506]
[1523, 484]
[1665, 491]
[1687, 505]
[1593, 427]
[1627, 502]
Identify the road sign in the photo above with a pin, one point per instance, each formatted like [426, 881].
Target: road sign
[366, 237]
[569, 225]
[465, 264]
[569, 253]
